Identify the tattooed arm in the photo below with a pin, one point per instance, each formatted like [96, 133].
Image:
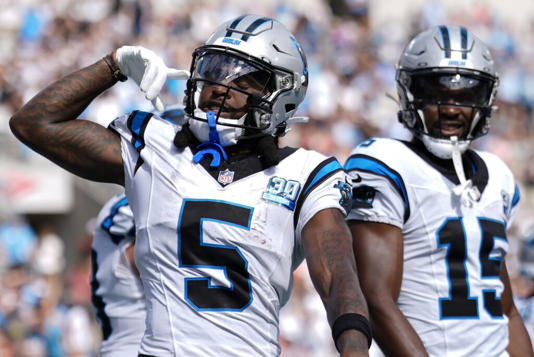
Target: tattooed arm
[46, 124]
[328, 246]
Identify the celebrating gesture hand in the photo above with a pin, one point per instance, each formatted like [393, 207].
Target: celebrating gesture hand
[147, 70]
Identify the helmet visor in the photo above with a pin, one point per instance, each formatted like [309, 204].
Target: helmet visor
[219, 68]
[451, 88]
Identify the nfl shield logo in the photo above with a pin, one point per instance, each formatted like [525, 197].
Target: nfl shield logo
[226, 177]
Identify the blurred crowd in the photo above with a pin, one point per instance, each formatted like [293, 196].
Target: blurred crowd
[45, 305]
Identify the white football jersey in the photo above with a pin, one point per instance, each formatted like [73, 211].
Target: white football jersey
[117, 292]
[216, 251]
[450, 289]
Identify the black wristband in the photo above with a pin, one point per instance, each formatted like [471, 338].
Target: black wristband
[113, 68]
[352, 322]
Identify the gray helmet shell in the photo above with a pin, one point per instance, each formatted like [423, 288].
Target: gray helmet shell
[266, 43]
[444, 50]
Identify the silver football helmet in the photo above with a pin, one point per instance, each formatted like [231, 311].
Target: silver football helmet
[446, 66]
[249, 78]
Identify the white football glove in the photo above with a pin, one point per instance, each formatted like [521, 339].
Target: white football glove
[148, 70]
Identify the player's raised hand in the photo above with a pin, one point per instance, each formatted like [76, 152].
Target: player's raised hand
[148, 70]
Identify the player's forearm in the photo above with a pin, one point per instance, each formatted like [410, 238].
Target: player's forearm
[328, 246]
[333, 270]
[519, 341]
[392, 331]
[46, 125]
[352, 343]
[342, 295]
[63, 100]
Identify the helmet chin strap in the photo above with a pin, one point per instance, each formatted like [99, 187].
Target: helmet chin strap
[213, 147]
[465, 190]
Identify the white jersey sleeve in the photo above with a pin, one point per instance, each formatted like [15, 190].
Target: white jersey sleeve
[132, 128]
[509, 189]
[379, 193]
[325, 187]
[122, 126]
[116, 218]
[117, 292]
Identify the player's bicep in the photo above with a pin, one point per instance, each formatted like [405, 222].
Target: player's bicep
[84, 148]
[378, 248]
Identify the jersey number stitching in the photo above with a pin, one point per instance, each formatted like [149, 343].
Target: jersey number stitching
[459, 304]
[193, 252]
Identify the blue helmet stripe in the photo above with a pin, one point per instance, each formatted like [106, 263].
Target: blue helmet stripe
[446, 40]
[253, 26]
[233, 25]
[302, 57]
[374, 166]
[464, 37]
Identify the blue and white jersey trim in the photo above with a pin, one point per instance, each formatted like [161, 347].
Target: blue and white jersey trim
[369, 164]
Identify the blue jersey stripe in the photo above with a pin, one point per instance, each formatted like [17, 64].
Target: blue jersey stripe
[253, 26]
[516, 198]
[137, 123]
[324, 170]
[97, 300]
[372, 165]
[108, 222]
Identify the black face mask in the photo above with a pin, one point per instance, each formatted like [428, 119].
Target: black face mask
[223, 76]
[225, 70]
[455, 89]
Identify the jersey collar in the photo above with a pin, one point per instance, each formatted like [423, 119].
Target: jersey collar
[474, 166]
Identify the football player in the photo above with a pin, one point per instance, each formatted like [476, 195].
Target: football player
[116, 290]
[223, 215]
[429, 217]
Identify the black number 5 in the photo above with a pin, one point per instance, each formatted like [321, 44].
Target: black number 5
[193, 252]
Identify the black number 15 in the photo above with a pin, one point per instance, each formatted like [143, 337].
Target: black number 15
[459, 303]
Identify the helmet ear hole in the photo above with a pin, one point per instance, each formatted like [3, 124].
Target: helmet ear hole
[483, 125]
[281, 129]
[399, 116]
[290, 107]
